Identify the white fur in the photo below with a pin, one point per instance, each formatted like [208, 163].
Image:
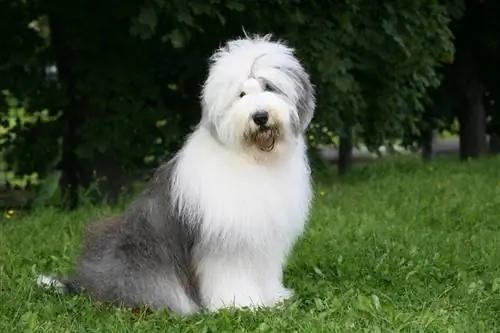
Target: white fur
[251, 205]
[251, 215]
[233, 70]
[245, 197]
[51, 282]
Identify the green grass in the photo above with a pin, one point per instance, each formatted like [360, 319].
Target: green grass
[395, 247]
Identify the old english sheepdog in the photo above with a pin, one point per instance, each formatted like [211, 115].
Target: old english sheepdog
[216, 223]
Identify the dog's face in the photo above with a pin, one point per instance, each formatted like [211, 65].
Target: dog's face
[257, 96]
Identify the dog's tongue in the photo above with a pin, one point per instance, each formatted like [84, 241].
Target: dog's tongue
[265, 140]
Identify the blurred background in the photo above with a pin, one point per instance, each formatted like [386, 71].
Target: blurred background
[95, 94]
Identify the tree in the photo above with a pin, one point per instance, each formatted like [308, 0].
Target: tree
[128, 79]
[470, 88]
[372, 64]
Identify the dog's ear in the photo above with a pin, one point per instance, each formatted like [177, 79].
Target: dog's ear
[306, 101]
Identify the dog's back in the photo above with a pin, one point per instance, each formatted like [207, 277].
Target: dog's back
[125, 261]
[138, 258]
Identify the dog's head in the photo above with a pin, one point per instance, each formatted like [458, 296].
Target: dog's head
[257, 95]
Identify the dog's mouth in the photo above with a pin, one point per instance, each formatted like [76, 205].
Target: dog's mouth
[265, 138]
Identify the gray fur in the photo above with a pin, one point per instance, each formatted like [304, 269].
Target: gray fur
[142, 257]
[306, 101]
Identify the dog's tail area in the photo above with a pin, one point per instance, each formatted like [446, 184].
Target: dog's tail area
[61, 285]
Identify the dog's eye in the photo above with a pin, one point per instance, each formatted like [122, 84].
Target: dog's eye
[268, 87]
[242, 94]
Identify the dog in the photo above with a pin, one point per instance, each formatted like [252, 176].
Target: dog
[215, 225]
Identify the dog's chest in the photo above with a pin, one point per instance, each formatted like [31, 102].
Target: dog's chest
[237, 200]
[255, 207]
[257, 196]
[242, 199]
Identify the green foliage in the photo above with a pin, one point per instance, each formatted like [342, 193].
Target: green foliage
[130, 77]
[396, 247]
[14, 121]
[381, 64]
[48, 190]
[371, 64]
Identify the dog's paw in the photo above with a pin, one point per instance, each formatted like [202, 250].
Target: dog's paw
[286, 293]
[282, 295]
[246, 304]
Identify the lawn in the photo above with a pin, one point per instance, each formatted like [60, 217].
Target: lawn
[395, 247]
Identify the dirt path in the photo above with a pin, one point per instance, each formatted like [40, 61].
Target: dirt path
[441, 147]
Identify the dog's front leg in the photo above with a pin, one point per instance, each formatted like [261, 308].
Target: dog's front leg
[226, 284]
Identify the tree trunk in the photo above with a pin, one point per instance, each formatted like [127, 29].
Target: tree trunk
[345, 153]
[472, 114]
[427, 144]
[427, 132]
[105, 179]
[494, 144]
[72, 109]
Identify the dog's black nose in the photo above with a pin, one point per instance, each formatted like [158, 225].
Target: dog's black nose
[260, 117]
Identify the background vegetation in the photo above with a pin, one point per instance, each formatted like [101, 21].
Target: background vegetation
[96, 93]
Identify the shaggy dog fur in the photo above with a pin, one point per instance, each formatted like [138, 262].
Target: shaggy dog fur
[216, 223]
